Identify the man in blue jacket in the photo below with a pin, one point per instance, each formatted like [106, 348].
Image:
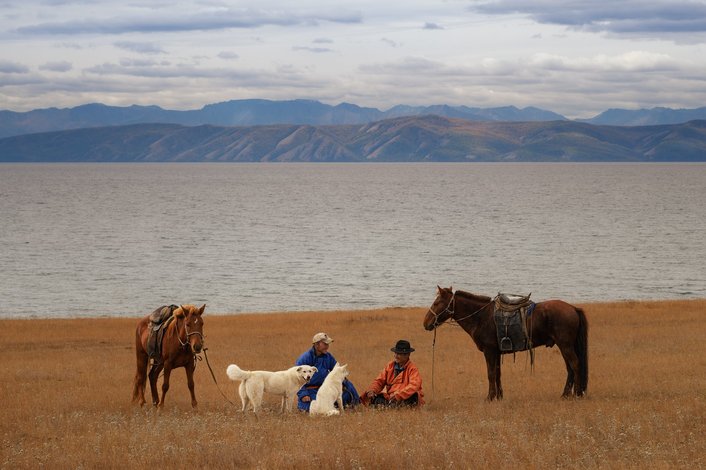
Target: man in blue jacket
[319, 357]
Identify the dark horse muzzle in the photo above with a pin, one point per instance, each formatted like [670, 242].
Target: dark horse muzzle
[195, 340]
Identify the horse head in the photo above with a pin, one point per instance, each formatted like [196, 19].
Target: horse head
[193, 326]
[441, 310]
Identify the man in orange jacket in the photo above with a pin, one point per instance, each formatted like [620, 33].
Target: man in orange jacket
[399, 384]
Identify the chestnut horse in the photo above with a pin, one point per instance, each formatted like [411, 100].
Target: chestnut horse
[182, 341]
[552, 322]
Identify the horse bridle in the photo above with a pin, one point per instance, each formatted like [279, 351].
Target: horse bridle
[185, 343]
[450, 307]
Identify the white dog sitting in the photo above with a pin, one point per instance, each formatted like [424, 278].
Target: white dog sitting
[285, 383]
[330, 393]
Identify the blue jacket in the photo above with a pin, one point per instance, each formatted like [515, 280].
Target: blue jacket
[324, 364]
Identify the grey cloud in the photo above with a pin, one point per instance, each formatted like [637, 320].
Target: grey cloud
[619, 17]
[162, 71]
[228, 55]
[62, 66]
[12, 67]
[140, 47]
[432, 26]
[318, 50]
[143, 63]
[197, 22]
[567, 85]
[71, 45]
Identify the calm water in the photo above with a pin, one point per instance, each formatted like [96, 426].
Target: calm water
[121, 239]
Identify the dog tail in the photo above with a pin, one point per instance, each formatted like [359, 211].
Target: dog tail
[237, 374]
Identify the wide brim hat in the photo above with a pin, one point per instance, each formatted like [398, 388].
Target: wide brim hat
[322, 337]
[402, 347]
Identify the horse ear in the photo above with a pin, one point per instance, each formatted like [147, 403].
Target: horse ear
[203, 307]
[180, 312]
[438, 288]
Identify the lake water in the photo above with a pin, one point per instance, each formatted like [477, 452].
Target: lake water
[86, 240]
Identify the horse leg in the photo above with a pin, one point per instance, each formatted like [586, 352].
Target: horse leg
[138, 387]
[153, 375]
[572, 369]
[569, 386]
[498, 383]
[492, 362]
[165, 383]
[190, 381]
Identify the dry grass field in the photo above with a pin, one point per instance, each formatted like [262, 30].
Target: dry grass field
[66, 389]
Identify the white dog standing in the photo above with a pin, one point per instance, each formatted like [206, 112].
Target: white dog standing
[330, 393]
[285, 383]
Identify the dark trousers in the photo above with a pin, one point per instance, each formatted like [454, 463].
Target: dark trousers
[380, 401]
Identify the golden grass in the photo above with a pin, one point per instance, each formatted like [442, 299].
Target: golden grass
[66, 389]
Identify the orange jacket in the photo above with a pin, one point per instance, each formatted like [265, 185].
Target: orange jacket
[405, 384]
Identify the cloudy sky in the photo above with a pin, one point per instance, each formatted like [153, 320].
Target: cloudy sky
[577, 58]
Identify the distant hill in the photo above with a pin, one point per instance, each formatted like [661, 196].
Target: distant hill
[646, 117]
[245, 113]
[414, 139]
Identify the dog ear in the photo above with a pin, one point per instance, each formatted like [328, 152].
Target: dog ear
[314, 369]
[299, 369]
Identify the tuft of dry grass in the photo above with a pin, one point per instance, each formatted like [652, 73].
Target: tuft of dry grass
[67, 384]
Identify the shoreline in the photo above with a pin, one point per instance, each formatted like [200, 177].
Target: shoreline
[290, 313]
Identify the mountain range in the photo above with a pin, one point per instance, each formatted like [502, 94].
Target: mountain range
[300, 112]
[409, 138]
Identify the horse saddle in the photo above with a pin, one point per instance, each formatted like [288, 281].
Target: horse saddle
[159, 319]
[512, 301]
[511, 314]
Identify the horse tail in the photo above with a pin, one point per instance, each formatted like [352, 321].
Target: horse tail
[581, 349]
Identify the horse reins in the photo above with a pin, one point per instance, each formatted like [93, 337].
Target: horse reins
[185, 343]
[451, 309]
[214, 377]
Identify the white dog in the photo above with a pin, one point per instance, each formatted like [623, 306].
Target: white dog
[285, 383]
[330, 393]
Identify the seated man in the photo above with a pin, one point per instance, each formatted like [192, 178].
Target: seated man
[399, 384]
[319, 357]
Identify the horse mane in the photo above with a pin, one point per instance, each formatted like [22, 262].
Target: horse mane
[468, 295]
[183, 309]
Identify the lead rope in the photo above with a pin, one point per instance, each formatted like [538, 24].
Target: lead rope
[433, 350]
[214, 377]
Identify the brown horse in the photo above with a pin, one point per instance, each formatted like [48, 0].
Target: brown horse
[182, 341]
[552, 322]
